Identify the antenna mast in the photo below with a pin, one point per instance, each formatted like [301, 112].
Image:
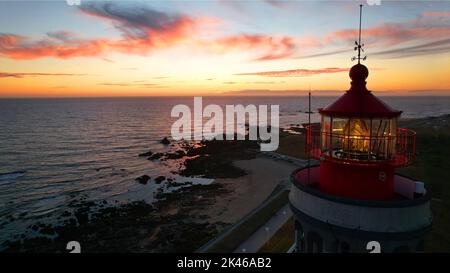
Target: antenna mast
[358, 44]
[309, 129]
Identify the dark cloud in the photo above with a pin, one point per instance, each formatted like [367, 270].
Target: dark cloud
[64, 36]
[329, 53]
[23, 75]
[277, 3]
[434, 47]
[265, 82]
[136, 21]
[135, 84]
[271, 92]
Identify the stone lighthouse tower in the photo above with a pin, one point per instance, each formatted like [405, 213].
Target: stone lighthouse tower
[353, 201]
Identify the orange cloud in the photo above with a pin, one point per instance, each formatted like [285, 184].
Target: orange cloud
[24, 51]
[142, 31]
[295, 72]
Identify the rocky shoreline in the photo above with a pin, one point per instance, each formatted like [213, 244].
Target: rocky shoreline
[173, 223]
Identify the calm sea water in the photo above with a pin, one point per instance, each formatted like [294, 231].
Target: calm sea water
[57, 151]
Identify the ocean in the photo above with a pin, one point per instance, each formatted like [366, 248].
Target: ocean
[57, 152]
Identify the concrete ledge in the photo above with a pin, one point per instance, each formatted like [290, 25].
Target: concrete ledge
[359, 215]
[342, 232]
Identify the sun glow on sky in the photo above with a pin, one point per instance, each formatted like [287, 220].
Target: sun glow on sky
[151, 48]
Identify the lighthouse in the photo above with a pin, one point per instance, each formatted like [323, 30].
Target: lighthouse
[353, 200]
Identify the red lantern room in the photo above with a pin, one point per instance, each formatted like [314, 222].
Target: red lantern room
[354, 198]
[359, 144]
[358, 141]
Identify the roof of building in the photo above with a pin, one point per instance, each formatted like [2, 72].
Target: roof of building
[358, 101]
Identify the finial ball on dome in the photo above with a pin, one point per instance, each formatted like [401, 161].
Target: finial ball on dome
[359, 72]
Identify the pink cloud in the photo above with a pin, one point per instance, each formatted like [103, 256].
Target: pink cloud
[391, 33]
[295, 72]
[436, 14]
[143, 30]
[266, 47]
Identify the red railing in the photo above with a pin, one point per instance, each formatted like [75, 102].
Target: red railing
[399, 149]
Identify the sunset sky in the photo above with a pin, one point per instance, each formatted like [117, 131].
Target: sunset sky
[147, 48]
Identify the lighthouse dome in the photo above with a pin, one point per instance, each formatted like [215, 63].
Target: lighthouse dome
[358, 101]
[359, 72]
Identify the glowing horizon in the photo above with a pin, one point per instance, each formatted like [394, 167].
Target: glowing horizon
[126, 48]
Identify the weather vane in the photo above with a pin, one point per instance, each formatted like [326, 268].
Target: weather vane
[358, 44]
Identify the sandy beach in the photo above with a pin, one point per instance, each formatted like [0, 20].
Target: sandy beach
[249, 191]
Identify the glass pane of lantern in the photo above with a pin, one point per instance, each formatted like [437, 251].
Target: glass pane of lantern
[381, 144]
[356, 141]
[338, 125]
[337, 133]
[326, 133]
[393, 135]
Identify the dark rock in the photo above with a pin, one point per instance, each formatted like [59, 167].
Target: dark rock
[48, 231]
[214, 158]
[149, 153]
[177, 184]
[165, 141]
[160, 179]
[143, 179]
[82, 217]
[156, 156]
[66, 214]
[177, 155]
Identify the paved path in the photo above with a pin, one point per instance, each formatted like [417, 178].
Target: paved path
[265, 232]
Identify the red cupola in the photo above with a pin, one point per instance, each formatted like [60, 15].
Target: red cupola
[358, 143]
[358, 101]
